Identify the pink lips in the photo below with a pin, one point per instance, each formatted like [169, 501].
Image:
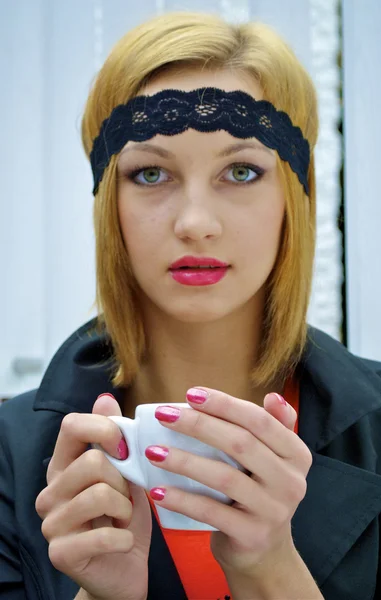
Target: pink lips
[198, 270]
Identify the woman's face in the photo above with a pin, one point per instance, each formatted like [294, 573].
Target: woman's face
[195, 195]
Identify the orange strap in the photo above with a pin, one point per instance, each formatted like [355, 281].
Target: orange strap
[201, 575]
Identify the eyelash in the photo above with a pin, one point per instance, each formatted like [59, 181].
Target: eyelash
[139, 169]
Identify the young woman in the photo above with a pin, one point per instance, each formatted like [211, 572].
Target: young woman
[201, 139]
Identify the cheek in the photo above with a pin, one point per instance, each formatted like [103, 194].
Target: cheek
[144, 229]
[258, 235]
[135, 223]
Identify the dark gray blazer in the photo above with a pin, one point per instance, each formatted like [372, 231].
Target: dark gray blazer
[336, 528]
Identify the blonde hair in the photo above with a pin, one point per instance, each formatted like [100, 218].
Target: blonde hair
[191, 39]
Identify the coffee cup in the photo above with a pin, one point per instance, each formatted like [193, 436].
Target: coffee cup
[145, 430]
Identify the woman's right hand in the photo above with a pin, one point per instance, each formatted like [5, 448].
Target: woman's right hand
[96, 535]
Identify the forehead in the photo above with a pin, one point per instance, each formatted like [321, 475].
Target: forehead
[188, 79]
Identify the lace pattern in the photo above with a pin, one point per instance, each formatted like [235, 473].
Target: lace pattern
[171, 112]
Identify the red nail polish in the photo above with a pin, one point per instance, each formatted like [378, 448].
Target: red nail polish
[122, 449]
[157, 493]
[157, 453]
[197, 396]
[168, 414]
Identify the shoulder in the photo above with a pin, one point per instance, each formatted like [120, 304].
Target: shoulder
[27, 436]
[322, 347]
[16, 413]
[340, 393]
[373, 365]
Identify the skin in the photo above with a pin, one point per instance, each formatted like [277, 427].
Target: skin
[209, 334]
[197, 337]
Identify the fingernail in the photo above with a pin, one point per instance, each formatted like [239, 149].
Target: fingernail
[122, 449]
[157, 493]
[156, 453]
[106, 394]
[197, 396]
[168, 414]
[281, 399]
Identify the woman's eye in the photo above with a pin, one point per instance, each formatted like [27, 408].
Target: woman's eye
[147, 176]
[244, 173]
[151, 175]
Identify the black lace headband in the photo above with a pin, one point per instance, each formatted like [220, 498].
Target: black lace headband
[170, 112]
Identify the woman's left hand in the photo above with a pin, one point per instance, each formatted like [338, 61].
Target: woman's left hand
[256, 527]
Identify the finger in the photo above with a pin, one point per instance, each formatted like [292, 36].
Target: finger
[277, 406]
[96, 501]
[71, 554]
[248, 416]
[76, 433]
[231, 521]
[244, 447]
[218, 476]
[90, 468]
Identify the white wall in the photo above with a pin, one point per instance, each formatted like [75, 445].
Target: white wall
[362, 94]
[49, 53]
[22, 215]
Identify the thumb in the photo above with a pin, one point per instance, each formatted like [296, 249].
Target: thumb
[106, 405]
[277, 406]
[141, 522]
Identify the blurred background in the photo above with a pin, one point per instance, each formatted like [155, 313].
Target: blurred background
[50, 51]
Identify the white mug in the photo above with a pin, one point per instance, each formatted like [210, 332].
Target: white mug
[145, 430]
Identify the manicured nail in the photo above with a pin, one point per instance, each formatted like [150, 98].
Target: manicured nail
[168, 414]
[106, 394]
[197, 396]
[157, 493]
[157, 453]
[122, 449]
[281, 399]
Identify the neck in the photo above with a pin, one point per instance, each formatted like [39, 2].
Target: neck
[219, 355]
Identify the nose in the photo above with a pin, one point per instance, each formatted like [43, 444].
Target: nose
[197, 217]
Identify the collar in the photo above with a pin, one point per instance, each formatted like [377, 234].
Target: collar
[337, 389]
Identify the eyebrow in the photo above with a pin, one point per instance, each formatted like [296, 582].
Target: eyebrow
[153, 149]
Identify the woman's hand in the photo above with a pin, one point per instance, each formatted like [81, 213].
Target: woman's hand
[95, 535]
[256, 527]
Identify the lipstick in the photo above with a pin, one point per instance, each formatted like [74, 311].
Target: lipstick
[198, 270]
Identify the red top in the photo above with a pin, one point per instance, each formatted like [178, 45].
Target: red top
[201, 575]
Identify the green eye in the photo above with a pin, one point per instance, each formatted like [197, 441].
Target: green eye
[241, 173]
[151, 175]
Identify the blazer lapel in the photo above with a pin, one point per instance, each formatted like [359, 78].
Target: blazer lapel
[341, 501]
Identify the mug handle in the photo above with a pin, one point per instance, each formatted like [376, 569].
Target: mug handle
[129, 468]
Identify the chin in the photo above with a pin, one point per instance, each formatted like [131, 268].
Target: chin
[196, 317]
[202, 312]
